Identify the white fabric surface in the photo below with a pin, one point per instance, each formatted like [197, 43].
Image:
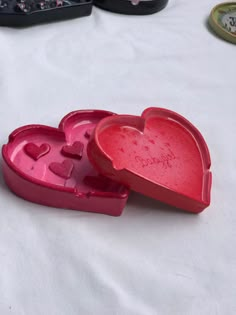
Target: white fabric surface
[152, 260]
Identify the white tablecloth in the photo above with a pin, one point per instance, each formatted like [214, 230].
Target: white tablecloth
[152, 260]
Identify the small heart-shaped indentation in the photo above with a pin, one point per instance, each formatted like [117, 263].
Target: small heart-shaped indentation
[63, 169]
[74, 151]
[36, 152]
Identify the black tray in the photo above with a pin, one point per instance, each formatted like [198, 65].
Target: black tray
[12, 15]
[130, 7]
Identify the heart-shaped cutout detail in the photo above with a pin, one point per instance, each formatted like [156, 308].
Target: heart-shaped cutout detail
[63, 169]
[35, 151]
[74, 151]
[160, 154]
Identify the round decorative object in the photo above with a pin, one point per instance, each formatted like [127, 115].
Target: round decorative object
[223, 21]
[136, 7]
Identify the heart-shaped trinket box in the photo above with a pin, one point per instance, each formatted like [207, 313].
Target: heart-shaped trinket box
[94, 157]
[49, 166]
[160, 154]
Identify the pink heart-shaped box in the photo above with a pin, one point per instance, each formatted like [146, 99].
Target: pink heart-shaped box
[160, 154]
[49, 166]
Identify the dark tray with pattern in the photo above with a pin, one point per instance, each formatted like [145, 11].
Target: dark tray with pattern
[29, 12]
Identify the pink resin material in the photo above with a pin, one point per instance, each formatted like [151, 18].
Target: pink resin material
[49, 166]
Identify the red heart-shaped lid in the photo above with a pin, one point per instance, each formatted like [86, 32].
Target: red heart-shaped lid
[160, 154]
